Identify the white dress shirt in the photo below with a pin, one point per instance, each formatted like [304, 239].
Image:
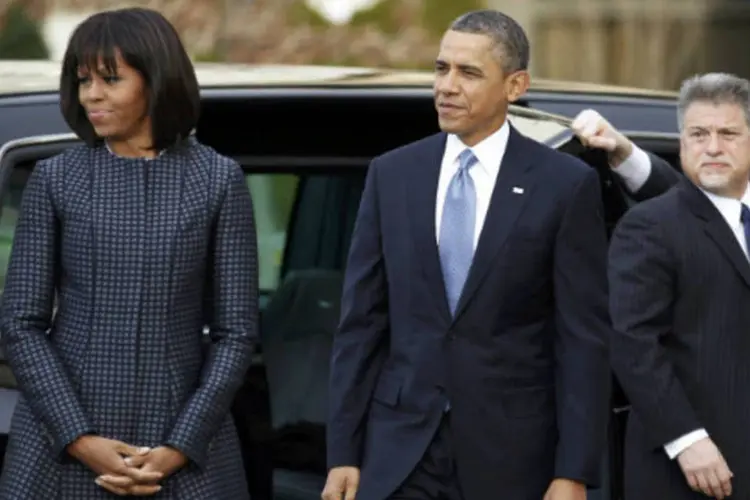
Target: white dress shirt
[634, 172]
[489, 154]
[731, 210]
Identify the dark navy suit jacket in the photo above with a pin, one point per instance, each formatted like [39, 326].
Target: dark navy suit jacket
[680, 293]
[524, 360]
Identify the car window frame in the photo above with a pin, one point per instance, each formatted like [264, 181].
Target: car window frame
[29, 148]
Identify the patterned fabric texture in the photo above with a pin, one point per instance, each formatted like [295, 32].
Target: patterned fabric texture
[138, 255]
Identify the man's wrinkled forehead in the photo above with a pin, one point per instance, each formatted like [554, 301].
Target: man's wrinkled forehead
[715, 114]
[465, 49]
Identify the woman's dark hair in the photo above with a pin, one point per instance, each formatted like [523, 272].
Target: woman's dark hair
[148, 43]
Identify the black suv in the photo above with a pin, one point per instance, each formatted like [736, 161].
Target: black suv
[305, 137]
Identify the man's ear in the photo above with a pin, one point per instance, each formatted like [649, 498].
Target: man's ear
[516, 85]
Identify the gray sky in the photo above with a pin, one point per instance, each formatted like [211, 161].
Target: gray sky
[339, 11]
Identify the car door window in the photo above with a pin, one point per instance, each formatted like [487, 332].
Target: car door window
[17, 159]
[273, 201]
[9, 216]
[325, 220]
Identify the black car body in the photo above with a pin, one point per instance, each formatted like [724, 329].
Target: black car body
[304, 136]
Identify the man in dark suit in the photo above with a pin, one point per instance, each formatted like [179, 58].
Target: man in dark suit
[471, 360]
[680, 289]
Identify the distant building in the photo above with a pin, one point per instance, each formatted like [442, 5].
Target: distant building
[648, 43]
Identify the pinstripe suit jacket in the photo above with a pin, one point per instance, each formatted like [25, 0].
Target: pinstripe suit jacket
[680, 303]
[140, 255]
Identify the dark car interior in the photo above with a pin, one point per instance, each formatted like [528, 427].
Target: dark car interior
[305, 161]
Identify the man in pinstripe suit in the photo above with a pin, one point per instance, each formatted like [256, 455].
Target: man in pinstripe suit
[680, 291]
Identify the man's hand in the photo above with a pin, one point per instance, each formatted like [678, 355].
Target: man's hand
[596, 132]
[107, 457]
[706, 470]
[565, 489]
[341, 481]
[145, 470]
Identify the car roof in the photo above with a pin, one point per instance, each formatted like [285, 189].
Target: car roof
[43, 76]
[550, 129]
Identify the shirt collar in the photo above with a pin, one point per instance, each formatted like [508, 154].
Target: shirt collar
[489, 152]
[730, 208]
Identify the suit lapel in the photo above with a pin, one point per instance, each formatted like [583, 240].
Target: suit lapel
[513, 188]
[422, 195]
[716, 227]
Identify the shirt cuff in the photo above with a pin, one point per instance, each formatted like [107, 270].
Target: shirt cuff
[680, 444]
[635, 170]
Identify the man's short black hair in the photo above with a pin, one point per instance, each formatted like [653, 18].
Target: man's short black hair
[148, 43]
[507, 35]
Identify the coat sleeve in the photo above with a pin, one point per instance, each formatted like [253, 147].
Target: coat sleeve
[582, 372]
[643, 282]
[27, 308]
[232, 316]
[358, 347]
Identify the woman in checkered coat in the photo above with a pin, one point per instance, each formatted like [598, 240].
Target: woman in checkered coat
[141, 237]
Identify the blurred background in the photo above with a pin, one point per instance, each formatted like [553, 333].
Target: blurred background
[643, 43]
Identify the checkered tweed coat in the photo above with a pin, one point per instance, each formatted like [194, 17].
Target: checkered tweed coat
[140, 254]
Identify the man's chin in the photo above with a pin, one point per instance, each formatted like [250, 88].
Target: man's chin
[720, 186]
[714, 182]
[449, 127]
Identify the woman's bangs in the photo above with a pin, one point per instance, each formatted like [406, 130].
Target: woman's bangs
[95, 51]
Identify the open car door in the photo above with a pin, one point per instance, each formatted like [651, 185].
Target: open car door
[616, 203]
[667, 146]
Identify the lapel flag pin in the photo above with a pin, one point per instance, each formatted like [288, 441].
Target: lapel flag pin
[517, 190]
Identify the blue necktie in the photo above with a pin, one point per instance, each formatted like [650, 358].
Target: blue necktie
[456, 244]
[745, 218]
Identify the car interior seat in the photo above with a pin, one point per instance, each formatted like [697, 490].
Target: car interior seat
[297, 332]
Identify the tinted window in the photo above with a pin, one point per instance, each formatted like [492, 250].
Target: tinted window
[9, 217]
[27, 116]
[625, 114]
